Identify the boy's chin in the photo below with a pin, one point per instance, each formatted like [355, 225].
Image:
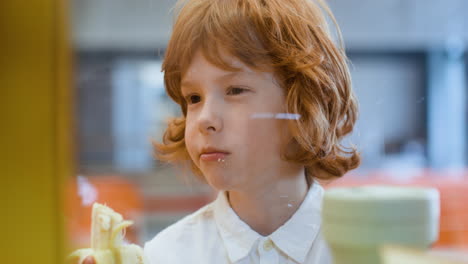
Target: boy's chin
[219, 182]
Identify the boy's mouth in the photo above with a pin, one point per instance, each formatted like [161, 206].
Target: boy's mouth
[213, 154]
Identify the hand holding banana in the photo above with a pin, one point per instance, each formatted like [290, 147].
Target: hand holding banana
[107, 244]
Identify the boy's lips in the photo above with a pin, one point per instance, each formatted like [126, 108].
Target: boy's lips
[213, 154]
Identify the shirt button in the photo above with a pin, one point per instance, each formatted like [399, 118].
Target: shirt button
[268, 245]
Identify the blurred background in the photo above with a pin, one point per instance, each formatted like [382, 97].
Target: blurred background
[409, 73]
[409, 69]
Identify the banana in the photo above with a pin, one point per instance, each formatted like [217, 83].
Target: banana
[107, 240]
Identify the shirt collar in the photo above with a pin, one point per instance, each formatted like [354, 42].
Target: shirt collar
[237, 236]
[295, 237]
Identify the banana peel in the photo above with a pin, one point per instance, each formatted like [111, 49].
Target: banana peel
[107, 240]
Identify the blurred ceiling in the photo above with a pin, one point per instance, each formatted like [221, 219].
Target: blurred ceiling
[366, 24]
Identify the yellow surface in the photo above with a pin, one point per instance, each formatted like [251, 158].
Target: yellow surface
[35, 111]
[401, 255]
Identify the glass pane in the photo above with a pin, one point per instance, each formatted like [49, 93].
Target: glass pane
[410, 84]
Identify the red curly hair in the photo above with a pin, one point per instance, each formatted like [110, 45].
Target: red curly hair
[292, 38]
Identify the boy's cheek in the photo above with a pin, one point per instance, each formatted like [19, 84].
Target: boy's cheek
[191, 149]
[190, 134]
[264, 127]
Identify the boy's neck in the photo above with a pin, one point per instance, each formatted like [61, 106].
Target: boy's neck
[267, 209]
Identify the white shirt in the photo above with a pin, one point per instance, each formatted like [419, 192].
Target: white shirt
[215, 234]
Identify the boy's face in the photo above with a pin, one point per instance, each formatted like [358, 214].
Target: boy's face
[232, 113]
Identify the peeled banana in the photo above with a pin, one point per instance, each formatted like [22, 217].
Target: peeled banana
[107, 244]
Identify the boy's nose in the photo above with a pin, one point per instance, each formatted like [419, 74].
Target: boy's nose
[210, 120]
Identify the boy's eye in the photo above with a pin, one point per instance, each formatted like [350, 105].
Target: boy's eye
[192, 99]
[236, 90]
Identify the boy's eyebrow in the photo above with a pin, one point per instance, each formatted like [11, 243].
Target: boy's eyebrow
[187, 83]
[192, 83]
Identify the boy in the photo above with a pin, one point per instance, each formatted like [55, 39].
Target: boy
[266, 98]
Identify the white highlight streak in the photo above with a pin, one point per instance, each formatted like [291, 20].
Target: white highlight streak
[276, 116]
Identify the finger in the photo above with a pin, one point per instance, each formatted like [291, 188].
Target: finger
[89, 260]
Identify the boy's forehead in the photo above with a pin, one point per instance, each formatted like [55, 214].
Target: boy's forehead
[200, 66]
[200, 60]
[198, 76]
